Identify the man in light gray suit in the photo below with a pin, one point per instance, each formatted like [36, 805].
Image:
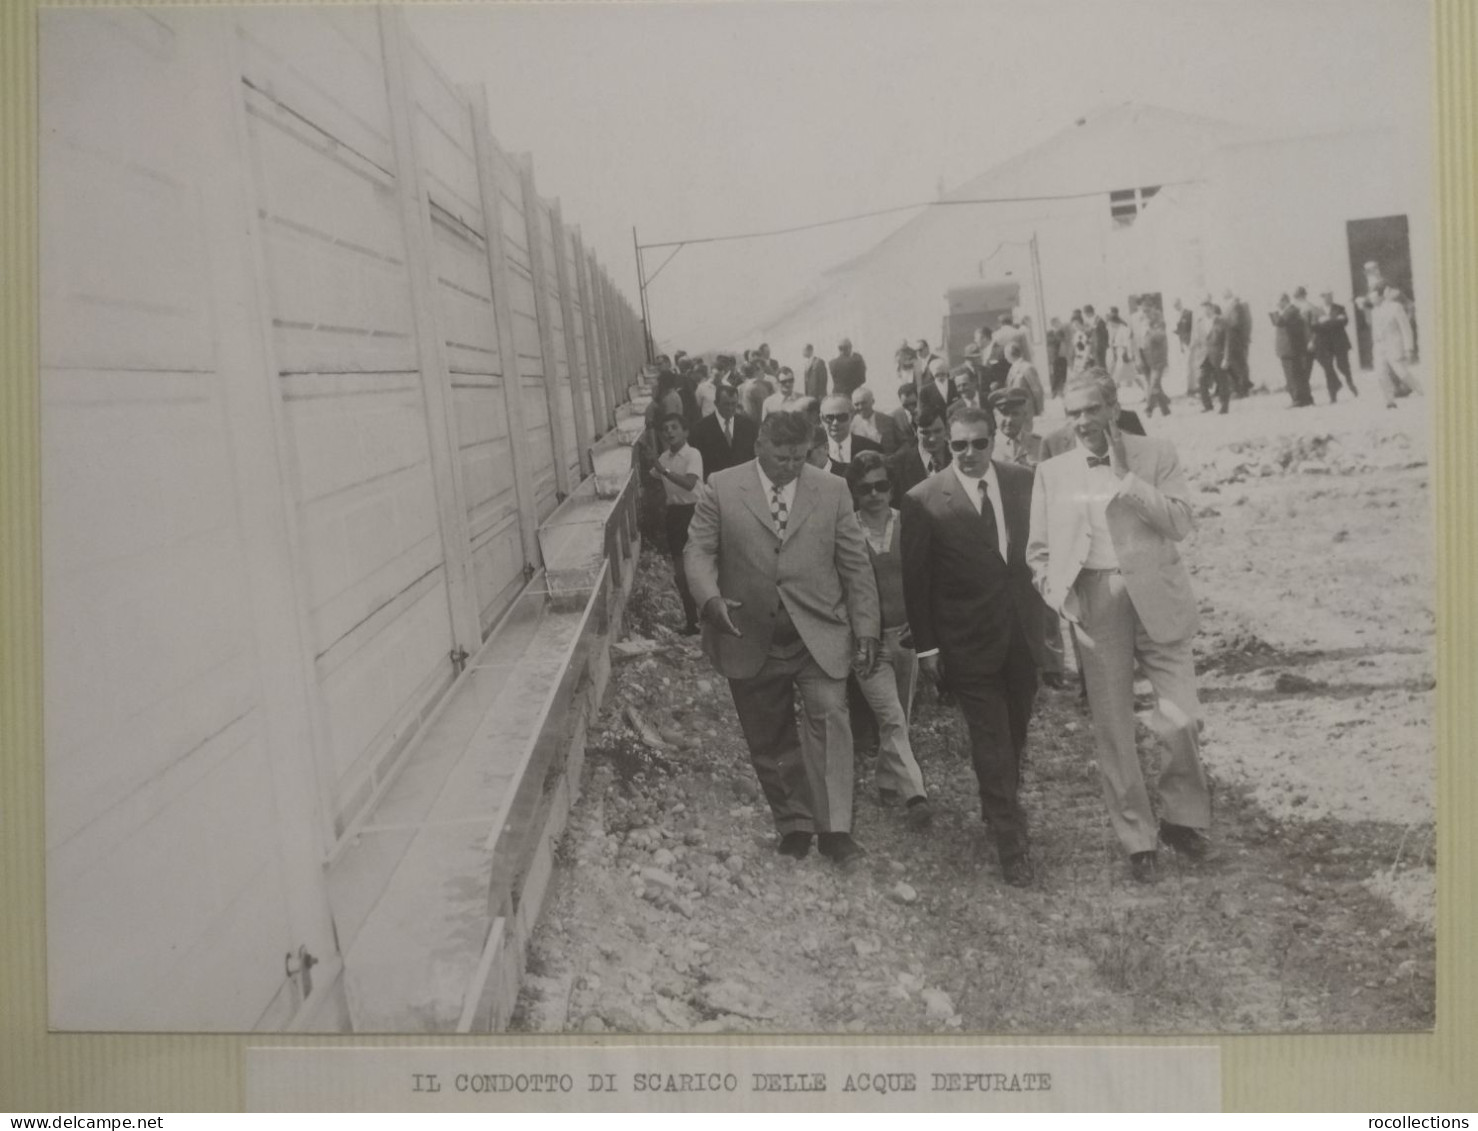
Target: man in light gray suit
[1105, 522]
[779, 566]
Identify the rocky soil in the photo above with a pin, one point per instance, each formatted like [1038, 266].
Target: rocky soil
[1313, 560]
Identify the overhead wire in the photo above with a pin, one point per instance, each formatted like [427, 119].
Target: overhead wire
[792, 229]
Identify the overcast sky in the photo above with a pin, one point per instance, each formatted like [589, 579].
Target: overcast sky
[702, 119]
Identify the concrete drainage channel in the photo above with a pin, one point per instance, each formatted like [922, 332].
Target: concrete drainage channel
[440, 889]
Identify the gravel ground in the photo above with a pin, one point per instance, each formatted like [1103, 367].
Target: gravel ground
[671, 912]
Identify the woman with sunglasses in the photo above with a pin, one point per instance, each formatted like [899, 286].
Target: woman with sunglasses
[889, 689]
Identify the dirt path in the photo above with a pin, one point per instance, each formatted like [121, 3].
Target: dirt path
[1313, 562]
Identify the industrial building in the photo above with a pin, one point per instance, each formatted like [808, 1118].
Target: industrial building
[1136, 200]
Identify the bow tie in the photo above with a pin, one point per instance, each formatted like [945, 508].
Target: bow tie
[1098, 461]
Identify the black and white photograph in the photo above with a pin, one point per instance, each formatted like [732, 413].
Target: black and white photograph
[863, 517]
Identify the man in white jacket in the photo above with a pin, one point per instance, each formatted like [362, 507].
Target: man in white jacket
[1106, 517]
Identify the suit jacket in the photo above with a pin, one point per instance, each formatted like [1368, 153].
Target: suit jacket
[717, 453]
[1029, 454]
[1291, 338]
[1330, 333]
[847, 373]
[821, 571]
[1217, 337]
[961, 596]
[907, 433]
[1023, 375]
[1239, 326]
[1065, 439]
[859, 444]
[813, 380]
[929, 395]
[1099, 337]
[889, 435]
[1148, 517]
[908, 470]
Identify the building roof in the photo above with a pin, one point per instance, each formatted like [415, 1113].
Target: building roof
[1128, 145]
[1125, 146]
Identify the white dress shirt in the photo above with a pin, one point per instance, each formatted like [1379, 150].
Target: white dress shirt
[861, 426]
[993, 492]
[840, 453]
[1102, 485]
[926, 458]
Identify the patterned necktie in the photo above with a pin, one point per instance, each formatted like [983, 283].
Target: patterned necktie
[1098, 461]
[779, 512]
[988, 512]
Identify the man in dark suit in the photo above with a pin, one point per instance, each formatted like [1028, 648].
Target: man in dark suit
[1238, 317]
[906, 414]
[779, 566]
[1291, 344]
[870, 424]
[1332, 344]
[813, 373]
[1065, 438]
[1098, 336]
[848, 370]
[1216, 378]
[975, 617]
[938, 390]
[836, 415]
[725, 437]
[910, 466]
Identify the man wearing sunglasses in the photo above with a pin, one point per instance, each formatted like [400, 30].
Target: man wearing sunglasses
[836, 414]
[974, 615]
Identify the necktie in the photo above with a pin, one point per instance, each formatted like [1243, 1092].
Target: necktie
[728, 432]
[1098, 461]
[988, 512]
[778, 510]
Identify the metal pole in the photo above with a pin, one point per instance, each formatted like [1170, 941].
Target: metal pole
[641, 290]
[1037, 286]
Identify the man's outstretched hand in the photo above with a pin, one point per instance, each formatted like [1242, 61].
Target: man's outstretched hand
[716, 613]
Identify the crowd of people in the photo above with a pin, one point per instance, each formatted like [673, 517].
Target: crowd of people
[820, 544]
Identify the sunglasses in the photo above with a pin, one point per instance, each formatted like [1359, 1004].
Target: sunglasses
[980, 443]
[836, 417]
[882, 488]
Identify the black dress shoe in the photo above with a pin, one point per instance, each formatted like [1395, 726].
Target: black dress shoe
[1017, 870]
[918, 816]
[796, 845]
[1185, 840]
[840, 848]
[1055, 680]
[1145, 866]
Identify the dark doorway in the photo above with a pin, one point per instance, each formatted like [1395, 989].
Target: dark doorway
[1385, 242]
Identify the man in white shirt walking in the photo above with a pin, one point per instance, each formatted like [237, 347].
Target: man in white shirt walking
[680, 470]
[784, 399]
[1106, 518]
